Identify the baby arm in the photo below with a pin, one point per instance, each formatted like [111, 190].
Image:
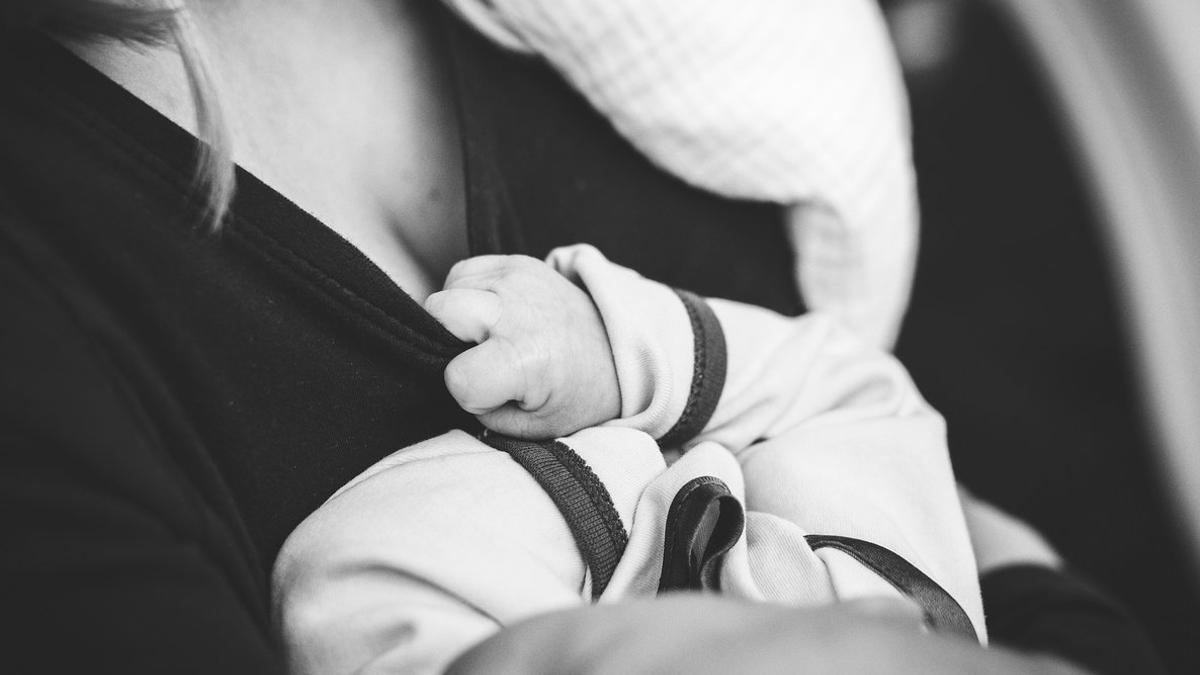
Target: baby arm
[831, 435]
[417, 558]
[582, 341]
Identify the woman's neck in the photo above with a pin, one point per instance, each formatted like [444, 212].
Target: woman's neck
[341, 105]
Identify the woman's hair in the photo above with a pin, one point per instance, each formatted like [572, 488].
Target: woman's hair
[148, 23]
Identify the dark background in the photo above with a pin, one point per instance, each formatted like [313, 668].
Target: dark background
[1015, 333]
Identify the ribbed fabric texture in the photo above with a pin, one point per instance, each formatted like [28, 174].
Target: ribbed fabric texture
[798, 102]
[581, 498]
[708, 372]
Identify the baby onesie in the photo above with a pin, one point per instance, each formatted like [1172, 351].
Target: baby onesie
[806, 469]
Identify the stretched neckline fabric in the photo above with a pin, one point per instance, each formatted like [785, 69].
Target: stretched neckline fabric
[259, 217]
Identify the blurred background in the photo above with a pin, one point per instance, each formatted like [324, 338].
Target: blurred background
[1056, 315]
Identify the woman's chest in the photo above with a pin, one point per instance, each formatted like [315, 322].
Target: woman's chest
[344, 108]
[360, 131]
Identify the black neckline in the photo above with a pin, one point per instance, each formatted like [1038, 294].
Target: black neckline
[259, 215]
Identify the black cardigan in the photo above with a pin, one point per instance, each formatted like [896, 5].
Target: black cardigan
[173, 403]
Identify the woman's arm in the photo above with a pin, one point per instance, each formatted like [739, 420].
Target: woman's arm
[112, 559]
[708, 634]
[1036, 605]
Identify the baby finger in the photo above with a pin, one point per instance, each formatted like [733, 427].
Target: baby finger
[486, 377]
[469, 314]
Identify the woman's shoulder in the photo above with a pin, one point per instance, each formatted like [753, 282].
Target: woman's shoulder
[44, 346]
[108, 532]
[67, 405]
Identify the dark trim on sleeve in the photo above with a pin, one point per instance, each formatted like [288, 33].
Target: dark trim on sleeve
[942, 611]
[581, 498]
[708, 374]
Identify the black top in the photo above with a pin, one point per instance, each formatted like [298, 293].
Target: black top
[1045, 611]
[173, 403]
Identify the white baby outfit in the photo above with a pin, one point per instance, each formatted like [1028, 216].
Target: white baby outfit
[808, 433]
[812, 433]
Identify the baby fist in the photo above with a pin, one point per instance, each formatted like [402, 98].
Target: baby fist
[543, 366]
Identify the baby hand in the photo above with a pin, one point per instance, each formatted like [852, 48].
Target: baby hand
[543, 366]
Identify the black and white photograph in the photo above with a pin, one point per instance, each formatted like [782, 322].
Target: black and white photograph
[538, 337]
